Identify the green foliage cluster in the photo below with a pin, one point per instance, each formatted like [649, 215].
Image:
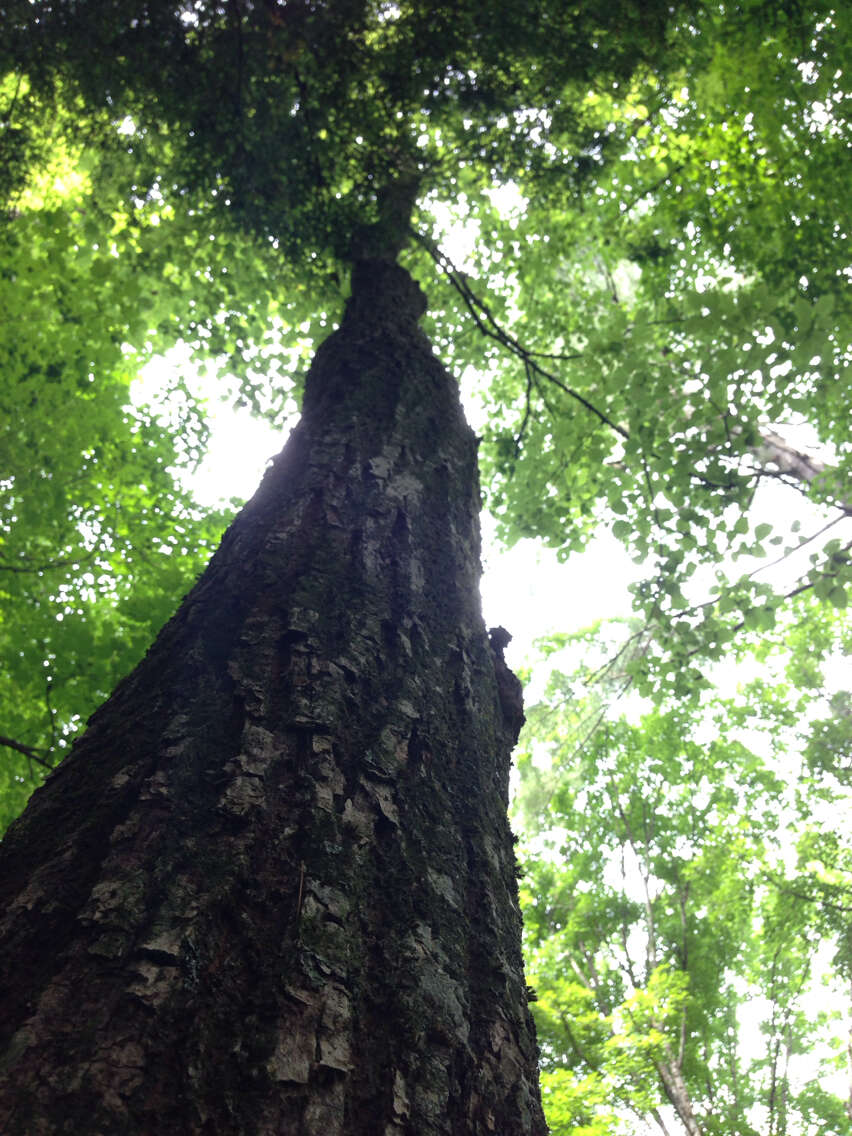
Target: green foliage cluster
[199, 175]
[97, 536]
[695, 294]
[656, 297]
[686, 900]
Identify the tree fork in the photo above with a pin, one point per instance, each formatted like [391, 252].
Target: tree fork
[272, 887]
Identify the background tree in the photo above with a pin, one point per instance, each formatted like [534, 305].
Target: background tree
[680, 937]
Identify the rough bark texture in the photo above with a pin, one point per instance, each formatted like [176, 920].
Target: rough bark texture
[272, 889]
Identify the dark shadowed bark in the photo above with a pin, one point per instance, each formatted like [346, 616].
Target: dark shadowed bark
[272, 889]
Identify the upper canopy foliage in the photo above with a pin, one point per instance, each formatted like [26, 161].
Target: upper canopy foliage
[293, 115]
[668, 284]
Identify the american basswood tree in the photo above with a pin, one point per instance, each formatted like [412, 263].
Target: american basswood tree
[271, 886]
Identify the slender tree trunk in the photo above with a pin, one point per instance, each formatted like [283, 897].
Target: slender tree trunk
[272, 888]
[677, 1092]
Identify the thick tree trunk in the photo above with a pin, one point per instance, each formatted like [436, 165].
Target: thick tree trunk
[272, 888]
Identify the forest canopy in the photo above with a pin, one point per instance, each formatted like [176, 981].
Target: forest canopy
[657, 306]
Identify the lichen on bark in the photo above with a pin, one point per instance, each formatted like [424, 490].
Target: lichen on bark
[272, 889]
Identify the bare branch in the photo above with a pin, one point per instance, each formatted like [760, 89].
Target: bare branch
[527, 409]
[488, 325]
[29, 752]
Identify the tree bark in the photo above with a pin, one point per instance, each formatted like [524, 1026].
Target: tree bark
[675, 1088]
[774, 450]
[272, 888]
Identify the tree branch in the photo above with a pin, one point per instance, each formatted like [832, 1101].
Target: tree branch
[489, 326]
[775, 450]
[28, 751]
[527, 408]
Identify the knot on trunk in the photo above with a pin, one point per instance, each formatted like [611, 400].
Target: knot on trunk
[509, 689]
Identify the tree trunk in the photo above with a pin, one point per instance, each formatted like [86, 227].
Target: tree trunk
[774, 450]
[675, 1088]
[272, 888]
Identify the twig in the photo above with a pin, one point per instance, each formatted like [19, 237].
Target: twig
[488, 325]
[29, 752]
[527, 409]
[800, 545]
[48, 565]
